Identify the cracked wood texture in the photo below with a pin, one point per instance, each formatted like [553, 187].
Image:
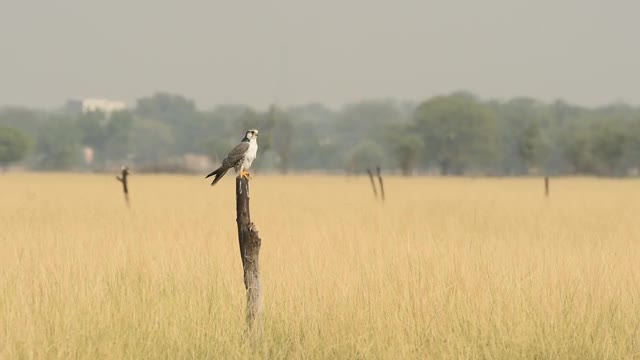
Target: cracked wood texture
[250, 252]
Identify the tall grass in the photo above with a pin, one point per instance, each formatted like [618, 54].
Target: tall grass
[446, 268]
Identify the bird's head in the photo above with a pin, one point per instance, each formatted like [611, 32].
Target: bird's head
[252, 134]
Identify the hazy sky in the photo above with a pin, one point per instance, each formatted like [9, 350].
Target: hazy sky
[331, 51]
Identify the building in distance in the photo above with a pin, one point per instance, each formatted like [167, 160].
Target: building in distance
[94, 104]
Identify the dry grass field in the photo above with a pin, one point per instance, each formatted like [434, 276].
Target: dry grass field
[446, 269]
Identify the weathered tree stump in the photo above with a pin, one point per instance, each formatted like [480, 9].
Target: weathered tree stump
[249, 252]
[373, 183]
[125, 185]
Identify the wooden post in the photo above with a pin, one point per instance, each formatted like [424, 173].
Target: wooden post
[125, 185]
[380, 181]
[250, 253]
[373, 183]
[546, 186]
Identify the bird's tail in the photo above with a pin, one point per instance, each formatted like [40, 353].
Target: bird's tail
[219, 173]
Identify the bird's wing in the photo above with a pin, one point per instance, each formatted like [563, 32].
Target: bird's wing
[235, 155]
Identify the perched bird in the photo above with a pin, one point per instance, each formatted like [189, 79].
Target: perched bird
[240, 158]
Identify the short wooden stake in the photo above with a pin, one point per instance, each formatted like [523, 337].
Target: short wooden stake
[373, 183]
[125, 185]
[380, 181]
[546, 186]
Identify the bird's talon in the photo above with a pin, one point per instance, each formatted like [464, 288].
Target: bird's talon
[245, 174]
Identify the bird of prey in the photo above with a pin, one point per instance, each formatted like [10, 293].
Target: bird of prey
[240, 158]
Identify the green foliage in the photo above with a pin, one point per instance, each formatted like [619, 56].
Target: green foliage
[281, 134]
[108, 136]
[26, 120]
[530, 144]
[366, 119]
[522, 124]
[60, 144]
[458, 133]
[221, 129]
[406, 146]
[455, 134]
[600, 148]
[93, 132]
[181, 115]
[151, 141]
[118, 132]
[166, 107]
[13, 146]
[363, 156]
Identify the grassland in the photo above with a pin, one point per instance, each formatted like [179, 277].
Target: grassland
[446, 269]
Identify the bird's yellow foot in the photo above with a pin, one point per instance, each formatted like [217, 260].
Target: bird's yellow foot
[245, 175]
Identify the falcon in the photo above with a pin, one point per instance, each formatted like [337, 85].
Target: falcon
[240, 158]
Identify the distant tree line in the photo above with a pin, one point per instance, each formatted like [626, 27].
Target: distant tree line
[456, 134]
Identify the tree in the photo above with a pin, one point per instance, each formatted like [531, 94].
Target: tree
[405, 146]
[28, 121]
[13, 146]
[118, 131]
[632, 146]
[521, 129]
[186, 122]
[363, 156]
[152, 141]
[91, 125]
[59, 142]
[530, 145]
[322, 143]
[458, 133]
[166, 107]
[609, 140]
[281, 134]
[108, 136]
[367, 119]
[598, 147]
